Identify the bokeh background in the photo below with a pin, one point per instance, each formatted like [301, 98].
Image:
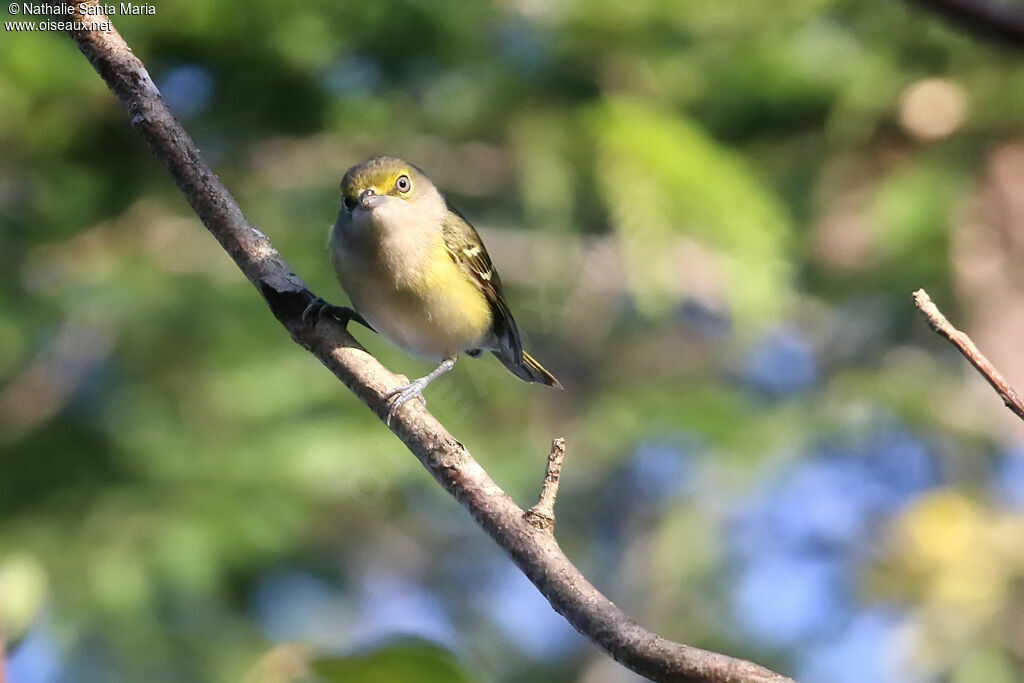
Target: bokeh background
[709, 215]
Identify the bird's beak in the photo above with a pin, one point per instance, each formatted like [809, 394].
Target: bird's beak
[368, 199]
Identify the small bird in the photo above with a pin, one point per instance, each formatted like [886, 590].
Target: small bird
[417, 272]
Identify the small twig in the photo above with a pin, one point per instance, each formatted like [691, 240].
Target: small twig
[542, 515]
[965, 346]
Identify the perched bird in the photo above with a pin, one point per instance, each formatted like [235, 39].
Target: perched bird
[417, 272]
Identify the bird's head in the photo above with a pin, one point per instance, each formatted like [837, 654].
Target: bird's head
[386, 181]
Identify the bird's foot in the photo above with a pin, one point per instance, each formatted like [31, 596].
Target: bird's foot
[405, 393]
[414, 389]
[318, 308]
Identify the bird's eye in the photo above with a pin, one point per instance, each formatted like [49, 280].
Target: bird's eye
[350, 202]
[403, 184]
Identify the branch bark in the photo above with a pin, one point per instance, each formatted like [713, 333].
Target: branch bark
[966, 346]
[534, 550]
[990, 19]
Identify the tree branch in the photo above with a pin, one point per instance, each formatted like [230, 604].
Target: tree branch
[966, 346]
[534, 550]
[990, 19]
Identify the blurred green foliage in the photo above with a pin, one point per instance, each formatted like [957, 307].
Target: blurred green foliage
[393, 664]
[709, 215]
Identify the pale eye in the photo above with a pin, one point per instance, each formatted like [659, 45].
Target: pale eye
[403, 184]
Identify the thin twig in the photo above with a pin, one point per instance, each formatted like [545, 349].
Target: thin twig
[1002, 22]
[542, 515]
[966, 346]
[534, 551]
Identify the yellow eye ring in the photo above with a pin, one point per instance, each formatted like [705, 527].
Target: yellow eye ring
[403, 184]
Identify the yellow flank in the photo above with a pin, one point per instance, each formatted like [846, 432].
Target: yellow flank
[453, 301]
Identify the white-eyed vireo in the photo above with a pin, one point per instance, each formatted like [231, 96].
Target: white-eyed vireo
[418, 273]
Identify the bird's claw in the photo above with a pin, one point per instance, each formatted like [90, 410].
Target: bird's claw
[403, 395]
[314, 311]
[318, 308]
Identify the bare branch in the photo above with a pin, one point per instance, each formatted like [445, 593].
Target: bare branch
[542, 515]
[991, 19]
[966, 346]
[535, 551]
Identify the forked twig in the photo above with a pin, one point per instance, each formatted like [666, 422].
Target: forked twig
[542, 515]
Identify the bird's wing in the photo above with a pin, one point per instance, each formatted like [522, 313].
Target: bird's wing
[468, 251]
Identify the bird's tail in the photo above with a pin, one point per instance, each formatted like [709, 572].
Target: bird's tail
[529, 370]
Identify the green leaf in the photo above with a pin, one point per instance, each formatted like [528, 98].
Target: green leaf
[418, 661]
[663, 178]
[910, 217]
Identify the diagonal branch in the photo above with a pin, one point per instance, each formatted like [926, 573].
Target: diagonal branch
[535, 551]
[966, 346]
[998, 20]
